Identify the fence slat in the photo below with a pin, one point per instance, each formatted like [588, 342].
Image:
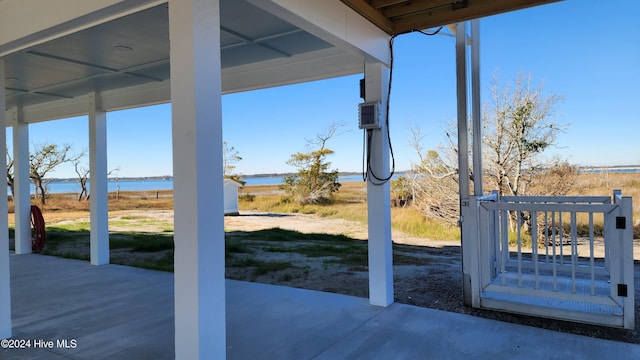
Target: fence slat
[553, 237]
[574, 251]
[592, 263]
[534, 247]
[519, 236]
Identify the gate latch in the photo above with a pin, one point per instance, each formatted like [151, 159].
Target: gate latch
[622, 290]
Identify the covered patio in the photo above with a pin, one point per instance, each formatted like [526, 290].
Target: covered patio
[120, 312]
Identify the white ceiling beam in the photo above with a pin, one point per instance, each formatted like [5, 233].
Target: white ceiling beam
[130, 97]
[317, 65]
[322, 64]
[335, 23]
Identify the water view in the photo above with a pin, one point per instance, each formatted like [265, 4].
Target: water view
[70, 186]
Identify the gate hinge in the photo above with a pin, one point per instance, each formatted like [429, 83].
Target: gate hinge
[621, 222]
[622, 290]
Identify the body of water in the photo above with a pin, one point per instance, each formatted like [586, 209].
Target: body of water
[57, 187]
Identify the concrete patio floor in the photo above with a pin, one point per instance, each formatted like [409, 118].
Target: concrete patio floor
[118, 312]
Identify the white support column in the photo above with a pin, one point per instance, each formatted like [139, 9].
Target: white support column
[99, 206]
[22, 193]
[468, 226]
[379, 193]
[476, 116]
[463, 127]
[196, 90]
[5, 273]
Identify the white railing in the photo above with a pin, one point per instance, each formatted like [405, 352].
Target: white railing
[562, 257]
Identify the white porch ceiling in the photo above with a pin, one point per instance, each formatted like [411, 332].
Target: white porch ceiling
[126, 61]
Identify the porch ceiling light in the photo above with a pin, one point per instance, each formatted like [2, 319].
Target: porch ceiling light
[122, 49]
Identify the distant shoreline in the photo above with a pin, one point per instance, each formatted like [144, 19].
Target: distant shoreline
[587, 169]
[169, 177]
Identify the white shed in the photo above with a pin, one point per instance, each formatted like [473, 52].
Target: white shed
[231, 197]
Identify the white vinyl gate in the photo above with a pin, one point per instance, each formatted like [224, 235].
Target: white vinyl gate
[571, 260]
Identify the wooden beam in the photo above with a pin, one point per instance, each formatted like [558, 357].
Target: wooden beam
[371, 14]
[415, 7]
[378, 4]
[474, 9]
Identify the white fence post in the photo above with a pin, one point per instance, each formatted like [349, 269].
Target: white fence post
[624, 224]
[470, 251]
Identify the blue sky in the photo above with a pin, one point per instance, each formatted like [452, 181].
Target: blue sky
[582, 50]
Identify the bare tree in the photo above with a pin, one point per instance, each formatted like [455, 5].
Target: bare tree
[434, 181]
[518, 127]
[557, 178]
[82, 172]
[10, 176]
[44, 158]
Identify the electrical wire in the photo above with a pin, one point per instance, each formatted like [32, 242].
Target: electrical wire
[368, 173]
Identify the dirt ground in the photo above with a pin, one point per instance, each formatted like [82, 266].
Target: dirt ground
[429, 274]
[434, 282]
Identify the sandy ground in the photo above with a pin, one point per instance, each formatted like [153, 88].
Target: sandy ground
[309, 223]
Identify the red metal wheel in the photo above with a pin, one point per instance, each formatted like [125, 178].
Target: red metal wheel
[38, 233]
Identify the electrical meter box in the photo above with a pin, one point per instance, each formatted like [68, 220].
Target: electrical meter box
[369, 115]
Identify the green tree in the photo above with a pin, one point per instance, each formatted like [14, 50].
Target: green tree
[314, 182]
[230, 158]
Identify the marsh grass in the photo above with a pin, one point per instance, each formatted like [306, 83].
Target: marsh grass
[350, 204]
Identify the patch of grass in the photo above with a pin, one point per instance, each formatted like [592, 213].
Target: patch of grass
[321, 250]
[261, 267]
[141, 242]
[246, 197]
[140, 220]
[57, 236]
[278, 234]
[411, 221]
[163, 264]
[280, 249]
[71, 255]
[237, 247]
[525, 239]
[402, 259]
[76, 226]
[269, 266]
[131, 217]
[355, 262]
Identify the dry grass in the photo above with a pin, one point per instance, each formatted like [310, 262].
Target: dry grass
[350, 204]
[604, 184]
[67, 207]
